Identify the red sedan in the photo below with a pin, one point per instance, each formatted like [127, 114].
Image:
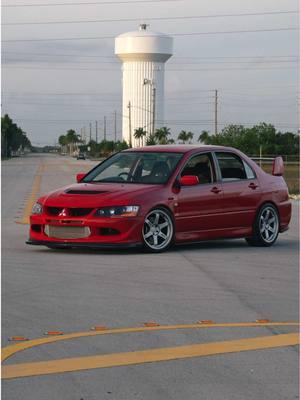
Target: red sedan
[160, 195]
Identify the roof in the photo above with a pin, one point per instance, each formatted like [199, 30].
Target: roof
[178, 148]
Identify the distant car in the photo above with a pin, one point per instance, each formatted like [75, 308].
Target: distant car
[81, 156]
[160, 195]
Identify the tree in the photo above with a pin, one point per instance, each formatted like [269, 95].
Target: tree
[139, 134]
[203, 137]
[161, 135]
[151, 141]
[62, 140]
[106, 147]
[119, 146]
[185, 136]
[72, 139]
[12, 137]
[251, 140]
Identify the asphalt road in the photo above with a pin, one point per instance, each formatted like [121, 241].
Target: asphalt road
[72, 291]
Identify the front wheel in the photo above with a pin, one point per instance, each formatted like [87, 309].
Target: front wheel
[158, 230]
[266, 227]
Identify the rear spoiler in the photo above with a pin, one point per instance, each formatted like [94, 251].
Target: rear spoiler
[278, 166]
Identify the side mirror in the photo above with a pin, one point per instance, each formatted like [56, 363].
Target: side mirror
[80, 176]
[189, 180]
[278, 166]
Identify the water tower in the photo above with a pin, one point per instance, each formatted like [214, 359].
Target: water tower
[143, 54]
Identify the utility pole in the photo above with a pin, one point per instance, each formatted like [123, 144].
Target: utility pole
[104, 128]
[84, 135]
[216, 112]
[115, 124]
[96, 123]
[129, 120]
[90, 132]
[153, 109]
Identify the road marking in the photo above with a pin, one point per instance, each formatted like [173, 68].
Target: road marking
[147, 356]
[8, 351]
[33, 196]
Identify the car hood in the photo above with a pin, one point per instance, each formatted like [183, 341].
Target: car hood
[97, 194]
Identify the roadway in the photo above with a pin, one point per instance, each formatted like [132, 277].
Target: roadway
[73, 290]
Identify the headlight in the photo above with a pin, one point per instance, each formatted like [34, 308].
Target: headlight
[119, 211]
[37, 209]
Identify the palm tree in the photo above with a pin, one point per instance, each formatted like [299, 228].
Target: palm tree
[185, 136]
[62, 140]
[139, 134]
[161, 135]
[204, 137]
[72, 138]
[151, 140]
[171, 141]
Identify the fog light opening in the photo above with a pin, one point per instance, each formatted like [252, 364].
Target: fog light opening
[108, 232]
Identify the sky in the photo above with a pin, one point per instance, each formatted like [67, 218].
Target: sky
[50, 86]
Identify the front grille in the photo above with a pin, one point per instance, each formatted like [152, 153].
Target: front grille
[72, 212]
[54, 210]
[67, 232]
[79, 212]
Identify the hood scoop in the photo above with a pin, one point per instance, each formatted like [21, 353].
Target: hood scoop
[78, 191]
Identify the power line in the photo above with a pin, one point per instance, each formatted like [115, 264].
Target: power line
[81, 105]
[172, 34]
[85, 4]
[62, 93]
[169, 70]
[173, 58]
[170, 63]
[177, 93]
[175, 18]
[65, 55]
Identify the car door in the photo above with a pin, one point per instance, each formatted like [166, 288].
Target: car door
[199, 206]
[241, 190]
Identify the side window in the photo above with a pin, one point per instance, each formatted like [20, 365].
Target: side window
[249, 171]
[200, 166]
[231, 166]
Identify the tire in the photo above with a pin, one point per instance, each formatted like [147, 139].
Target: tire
[158, 230]
[266, 227]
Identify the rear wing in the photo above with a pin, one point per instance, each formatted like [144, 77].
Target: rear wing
[278, 166]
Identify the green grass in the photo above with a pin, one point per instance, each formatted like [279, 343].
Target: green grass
[291, 176]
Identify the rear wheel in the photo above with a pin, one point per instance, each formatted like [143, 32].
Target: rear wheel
[158, 230]
[266, 227]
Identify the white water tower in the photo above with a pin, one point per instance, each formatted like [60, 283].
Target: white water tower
[143, 54]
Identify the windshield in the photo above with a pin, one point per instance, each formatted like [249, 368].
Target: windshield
[135, 167]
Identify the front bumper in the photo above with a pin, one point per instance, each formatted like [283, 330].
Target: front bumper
[104, 232]
[90, 245]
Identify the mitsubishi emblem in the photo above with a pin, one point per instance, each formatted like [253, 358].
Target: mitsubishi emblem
[63, 213]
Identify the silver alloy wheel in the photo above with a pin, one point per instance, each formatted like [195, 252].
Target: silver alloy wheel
[268, 224]
[158, 229]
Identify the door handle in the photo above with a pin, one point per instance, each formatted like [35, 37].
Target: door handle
[216, 190]
[252, 185]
